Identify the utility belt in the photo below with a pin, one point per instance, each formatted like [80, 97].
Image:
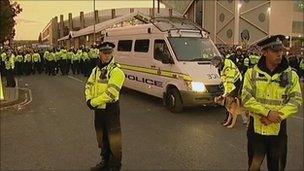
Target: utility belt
[110, 107]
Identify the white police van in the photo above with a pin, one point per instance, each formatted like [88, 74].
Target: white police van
[168, 58]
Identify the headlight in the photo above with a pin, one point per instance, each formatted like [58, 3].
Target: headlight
[198, 87]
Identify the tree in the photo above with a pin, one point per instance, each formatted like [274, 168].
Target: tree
[8, 11]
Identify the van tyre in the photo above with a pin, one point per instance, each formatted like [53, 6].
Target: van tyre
[174, 101]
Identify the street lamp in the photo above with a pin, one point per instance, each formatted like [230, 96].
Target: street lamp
[268, 10]
[237, 22]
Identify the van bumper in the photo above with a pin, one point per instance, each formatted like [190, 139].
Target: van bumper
[190, 98]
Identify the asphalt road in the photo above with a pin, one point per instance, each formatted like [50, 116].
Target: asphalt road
[55, 132]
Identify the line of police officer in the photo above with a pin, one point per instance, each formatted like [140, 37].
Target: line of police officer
[28, 61]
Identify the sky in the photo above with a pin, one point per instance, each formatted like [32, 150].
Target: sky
[36, 14]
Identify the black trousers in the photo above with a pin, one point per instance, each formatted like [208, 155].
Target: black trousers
[273, 147]
[108, 133]
[37, 67]
[10, 78]
[76, 67]
[19, 68]
[28, 68]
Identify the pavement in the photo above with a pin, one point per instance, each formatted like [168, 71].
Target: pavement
[14, 97]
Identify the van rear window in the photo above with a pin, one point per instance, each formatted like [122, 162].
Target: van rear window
[142, 45]
[124, 45]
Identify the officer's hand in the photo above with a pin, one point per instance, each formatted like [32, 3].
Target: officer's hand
[89, 104]
[274, 116]
[265, 121]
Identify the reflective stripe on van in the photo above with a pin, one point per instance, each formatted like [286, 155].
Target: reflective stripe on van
[158, 72]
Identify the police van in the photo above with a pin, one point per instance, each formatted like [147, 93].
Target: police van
[168, 58]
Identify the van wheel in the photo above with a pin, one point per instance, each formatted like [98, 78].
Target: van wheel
[174, 101]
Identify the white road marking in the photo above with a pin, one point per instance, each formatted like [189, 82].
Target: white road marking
[76, 79]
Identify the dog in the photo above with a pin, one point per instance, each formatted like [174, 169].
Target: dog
[234, 108]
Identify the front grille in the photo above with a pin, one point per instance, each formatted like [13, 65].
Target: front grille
[214, 88]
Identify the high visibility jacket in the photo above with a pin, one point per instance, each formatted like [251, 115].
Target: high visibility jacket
[3, 56]
[262, 93]
[254, 59]
[229, 75]
[85, 56]
[28, 58]
[1, 90]
[10, 62]
[63, 54]
[70, 55]
[36, 57]
[104, 84]
[46, 55]
[302, 64]
[57, 56]
[94, 53]
[246, 62]
[51, 56]
[19, 58]
[78, 55]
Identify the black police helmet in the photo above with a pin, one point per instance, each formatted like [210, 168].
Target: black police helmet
[106, 47]
[274, 43]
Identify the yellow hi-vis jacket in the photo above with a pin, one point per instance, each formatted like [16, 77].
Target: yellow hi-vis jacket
[10, 62]
[302, 64]
[104, 88]
[229, 75]
[1, 90]
[262, 93]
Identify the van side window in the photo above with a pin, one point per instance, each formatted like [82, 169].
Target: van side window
[142, 45]
[161, 50]
[124, 45]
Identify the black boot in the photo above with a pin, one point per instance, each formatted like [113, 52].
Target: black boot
[103, 164]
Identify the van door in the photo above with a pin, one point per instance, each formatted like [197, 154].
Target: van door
[162, 62]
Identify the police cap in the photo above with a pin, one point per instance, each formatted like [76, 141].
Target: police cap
[106, 47]
[274, 43]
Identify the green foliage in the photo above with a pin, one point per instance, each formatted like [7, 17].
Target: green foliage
[8, 10]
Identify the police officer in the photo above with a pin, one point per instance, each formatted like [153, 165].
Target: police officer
[36, 61]
[19, 63]
[2, 63]
[85, 62]
[271, 92]
[302, 67]
[246, 64]
[63, 62]
[28, 62]
[76, 59]
[231, 77]
[10, 66]
[235, 57]
[102, 96]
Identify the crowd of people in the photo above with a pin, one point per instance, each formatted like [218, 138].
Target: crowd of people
[245, 58]
[30, 61]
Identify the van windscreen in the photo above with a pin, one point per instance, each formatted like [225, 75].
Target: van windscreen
[193, 48]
